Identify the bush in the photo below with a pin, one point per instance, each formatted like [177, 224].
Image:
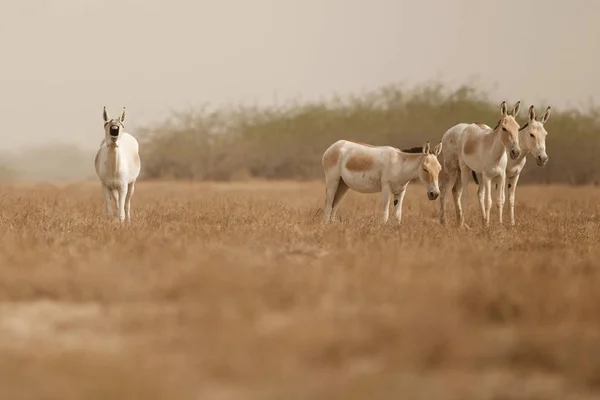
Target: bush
[287, 142]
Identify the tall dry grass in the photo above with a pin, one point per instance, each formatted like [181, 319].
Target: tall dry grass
[231, 291]
[287, 142]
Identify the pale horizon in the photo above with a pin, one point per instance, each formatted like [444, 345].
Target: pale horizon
[69, 58]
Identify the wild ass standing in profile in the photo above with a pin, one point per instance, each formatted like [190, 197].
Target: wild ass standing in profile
[532, 139]
[117, 165]
[371, 169]
[478, 148]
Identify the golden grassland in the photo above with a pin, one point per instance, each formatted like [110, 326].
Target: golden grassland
[235, 291]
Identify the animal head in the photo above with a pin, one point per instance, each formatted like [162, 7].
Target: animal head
[113, 127]
[535, 138]
[430, 170]
[509, 129]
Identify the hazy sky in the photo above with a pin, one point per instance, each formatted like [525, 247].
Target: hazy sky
[64, 59]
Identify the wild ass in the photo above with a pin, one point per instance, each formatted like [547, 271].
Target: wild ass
[478, 148]
[370, 169]
[532, 139]
[117, 165]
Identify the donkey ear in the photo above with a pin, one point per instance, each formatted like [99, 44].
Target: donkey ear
[105, 114]
[531, 113]
[123, 115]
[503, 109]
[546, 115]
[437, 149]
[516, 109]
[426, 148]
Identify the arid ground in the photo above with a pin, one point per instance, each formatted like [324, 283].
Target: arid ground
[237, 291]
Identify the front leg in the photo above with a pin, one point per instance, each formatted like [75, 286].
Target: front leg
[399, 198]
[108, 200]
[512, 188]
[121, 198]
[500, 197]
[130, 190]
[481, 196]
[386, 197]
[488, 197]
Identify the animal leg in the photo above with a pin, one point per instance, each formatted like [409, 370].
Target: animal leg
[487, 183]
[512, 188]
[121, 192]
[449, 178]
[338, 197]
[500, 197]
[108, 200]
[331, 185]
[463, 194]
[386, 197]
[115, 198]
[456, 195]
[130, 190]
[481, 197]
[398, 200]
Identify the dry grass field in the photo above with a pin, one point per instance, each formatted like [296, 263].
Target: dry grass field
[234, 291]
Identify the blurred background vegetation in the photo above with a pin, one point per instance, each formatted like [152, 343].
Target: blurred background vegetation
[286, 142]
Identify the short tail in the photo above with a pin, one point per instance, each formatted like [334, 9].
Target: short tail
[475, 177]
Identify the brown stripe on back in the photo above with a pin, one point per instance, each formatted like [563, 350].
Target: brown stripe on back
[359, 162]
[331, 157]
[418, 149]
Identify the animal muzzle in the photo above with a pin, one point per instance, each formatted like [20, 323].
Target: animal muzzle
[433, 194]
[114, 131]
[541, 159]
[515, 152]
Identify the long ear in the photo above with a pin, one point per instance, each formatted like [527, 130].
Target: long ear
[516, 109]
[105, 114]
[437, 149]
[426, 148]
[503, 109]
[531, 113]
[123, 115]
[546, 115]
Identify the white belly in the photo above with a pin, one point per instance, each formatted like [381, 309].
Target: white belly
[363, 182]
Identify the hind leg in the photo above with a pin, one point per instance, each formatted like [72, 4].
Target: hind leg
[399, 199]
[331, 186]
[338, 197]
[461, 196]
[448, 181]
[456, 190]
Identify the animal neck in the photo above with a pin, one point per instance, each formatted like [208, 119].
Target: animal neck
[409, 166]
[523, 141]
[498, 149]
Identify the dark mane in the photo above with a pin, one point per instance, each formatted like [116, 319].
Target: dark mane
[497, 125]
[418, 149]
[524, 126]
